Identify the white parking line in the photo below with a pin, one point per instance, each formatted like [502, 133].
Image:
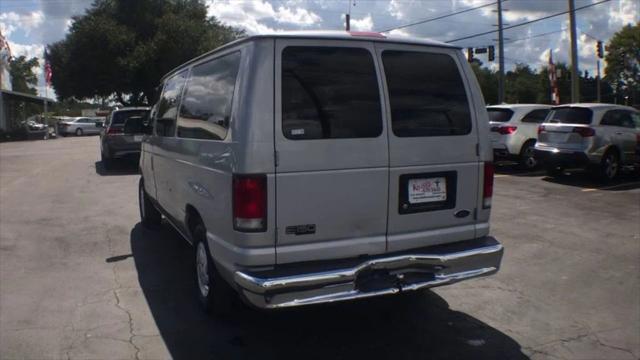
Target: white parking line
[612, 186]
[501, 175]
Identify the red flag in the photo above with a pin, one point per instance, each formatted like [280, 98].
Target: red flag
[47, 68]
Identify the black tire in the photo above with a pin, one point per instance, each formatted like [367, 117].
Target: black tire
[78, 132]
[609, 167]
[527, 159]
[150, 217]
[213, 292]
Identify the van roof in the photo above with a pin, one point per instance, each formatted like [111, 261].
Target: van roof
[322, 35]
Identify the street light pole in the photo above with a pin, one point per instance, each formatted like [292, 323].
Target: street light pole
[575, 76]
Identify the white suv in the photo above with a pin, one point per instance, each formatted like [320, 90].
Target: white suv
[600, 137]
[514, 131]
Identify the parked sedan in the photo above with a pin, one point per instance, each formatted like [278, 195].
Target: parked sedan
[122, 134]
[79, 126]
[599, 137]
[514, 131]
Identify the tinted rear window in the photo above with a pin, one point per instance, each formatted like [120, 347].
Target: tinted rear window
[570, 115]
[427, 95]
[500, 115]
[120, 117]
[329, 93]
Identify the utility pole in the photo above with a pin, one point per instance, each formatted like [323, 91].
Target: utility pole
[348, 16]
[598, 79]
[575, 76]
[500, 55]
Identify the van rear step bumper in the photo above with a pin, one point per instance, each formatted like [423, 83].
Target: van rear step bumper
[388, 274]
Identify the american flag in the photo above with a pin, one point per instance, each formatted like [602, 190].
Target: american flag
[553, 80]
[47, 68]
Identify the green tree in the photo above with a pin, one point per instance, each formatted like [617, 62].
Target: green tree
[623, 63]
[522, 85]
[23, 79]
[488, 81]
[120, 49]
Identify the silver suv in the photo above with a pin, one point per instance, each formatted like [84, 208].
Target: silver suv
[310, 168]
[514, 131]
[599, 137]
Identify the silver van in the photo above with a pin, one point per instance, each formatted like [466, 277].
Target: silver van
[319, 167]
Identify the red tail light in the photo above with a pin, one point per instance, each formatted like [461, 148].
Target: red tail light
[507, 130]
[487, 190]
[250, 203]
[584, 131]
[115, 131]
[541, 128]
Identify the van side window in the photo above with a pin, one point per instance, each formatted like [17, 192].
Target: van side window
[206, 105]
[168, 105]
[536, 116]
[329, 93]
[426, 94]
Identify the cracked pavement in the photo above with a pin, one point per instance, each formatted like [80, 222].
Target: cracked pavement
[81, 279]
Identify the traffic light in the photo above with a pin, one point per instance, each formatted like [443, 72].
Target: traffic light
[599, 50]
[492, 53]
[470, 54]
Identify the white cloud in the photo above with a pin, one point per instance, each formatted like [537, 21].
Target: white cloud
[253, 16]
[624, 12]
[399, 33]
[28, 50]
[296, 16]
[11, 21]
[364, 24]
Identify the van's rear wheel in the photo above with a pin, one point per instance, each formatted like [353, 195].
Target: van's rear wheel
[149, 215]
[214, 293]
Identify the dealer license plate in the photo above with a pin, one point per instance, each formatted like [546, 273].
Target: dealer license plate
[427, 190]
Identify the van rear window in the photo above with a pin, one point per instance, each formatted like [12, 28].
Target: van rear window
[426, 93]
[570, 115]
[499, 115]
[329, 93]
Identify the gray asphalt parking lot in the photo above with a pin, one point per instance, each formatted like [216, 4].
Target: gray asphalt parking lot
[80, 277]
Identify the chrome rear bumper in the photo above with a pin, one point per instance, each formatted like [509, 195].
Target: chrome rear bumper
[429, 267]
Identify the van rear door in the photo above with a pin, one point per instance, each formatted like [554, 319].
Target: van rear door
[331, 150]
[433, 155]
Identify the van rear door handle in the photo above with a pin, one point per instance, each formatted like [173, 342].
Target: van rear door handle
[619, 133]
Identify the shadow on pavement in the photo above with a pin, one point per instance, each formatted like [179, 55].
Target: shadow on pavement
[626, 181]
[118, 167]
[414, 326]
[512, 168]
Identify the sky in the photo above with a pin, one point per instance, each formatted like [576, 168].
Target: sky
[30, 25]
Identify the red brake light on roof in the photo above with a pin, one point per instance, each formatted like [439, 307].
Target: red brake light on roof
[487, 188]
[367, 34]
[250, 203]
[584, 131]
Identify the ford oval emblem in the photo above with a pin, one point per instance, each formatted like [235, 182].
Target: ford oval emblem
[462, 213]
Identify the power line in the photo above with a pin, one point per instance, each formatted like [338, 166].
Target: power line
[440, 17]
[535, 36]
[527, 22]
